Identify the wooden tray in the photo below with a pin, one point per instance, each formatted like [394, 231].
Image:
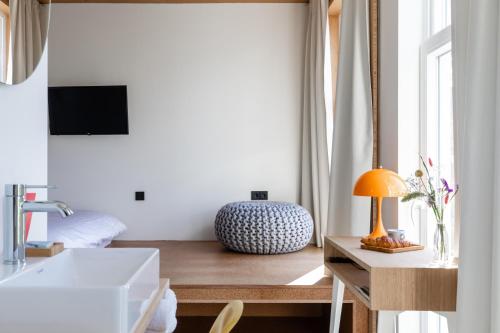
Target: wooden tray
[51, 251]
[414, 247]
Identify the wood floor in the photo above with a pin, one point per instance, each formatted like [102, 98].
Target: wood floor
[282, 293]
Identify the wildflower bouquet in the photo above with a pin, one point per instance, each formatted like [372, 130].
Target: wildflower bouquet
[436, 194]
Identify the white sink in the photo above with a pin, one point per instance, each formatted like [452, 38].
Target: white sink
[79, 291]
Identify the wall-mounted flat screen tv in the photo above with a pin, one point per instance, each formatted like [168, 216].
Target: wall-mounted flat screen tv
[88, 110]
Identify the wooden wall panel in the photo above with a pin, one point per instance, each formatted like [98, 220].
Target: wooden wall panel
[373, 8]
[334, 26]
[374, 54]
[176, 1]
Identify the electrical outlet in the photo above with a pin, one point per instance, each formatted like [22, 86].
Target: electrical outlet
[258, 195]
[139, 196]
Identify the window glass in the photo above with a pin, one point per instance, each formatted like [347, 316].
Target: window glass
[439, 128]
[440, 15]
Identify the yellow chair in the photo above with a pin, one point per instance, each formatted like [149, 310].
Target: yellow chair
[228, 317]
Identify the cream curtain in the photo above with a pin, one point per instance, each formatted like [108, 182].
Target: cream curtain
[352, 148]
[476, 56]
[314, 166]
[27, 37]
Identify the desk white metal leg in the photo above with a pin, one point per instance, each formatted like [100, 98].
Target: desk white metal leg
[386, 321]
[337, 299]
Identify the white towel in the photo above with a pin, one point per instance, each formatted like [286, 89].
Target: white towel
[164, 318]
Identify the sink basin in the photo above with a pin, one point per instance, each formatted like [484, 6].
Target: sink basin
[80, 291]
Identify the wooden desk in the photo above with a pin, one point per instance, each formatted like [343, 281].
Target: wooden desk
[397, 282]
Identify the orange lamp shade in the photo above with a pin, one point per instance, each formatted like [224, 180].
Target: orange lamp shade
[380, 183]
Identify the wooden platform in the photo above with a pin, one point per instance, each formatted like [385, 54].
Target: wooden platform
[203, 271]
[204, 276]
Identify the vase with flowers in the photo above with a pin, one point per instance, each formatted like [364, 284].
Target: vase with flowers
[436, 193]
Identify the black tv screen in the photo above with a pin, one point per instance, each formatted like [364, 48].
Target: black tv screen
[88, 110]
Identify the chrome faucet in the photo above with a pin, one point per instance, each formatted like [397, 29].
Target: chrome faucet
[14, 219]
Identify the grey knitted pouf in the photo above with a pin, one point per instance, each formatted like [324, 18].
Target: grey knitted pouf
[263, 227]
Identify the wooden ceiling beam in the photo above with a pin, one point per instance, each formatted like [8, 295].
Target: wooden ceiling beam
[175, 1]
[6, 2]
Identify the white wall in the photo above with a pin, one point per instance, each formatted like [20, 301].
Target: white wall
[23, 139]
[214, 109]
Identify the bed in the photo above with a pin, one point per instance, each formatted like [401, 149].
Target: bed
[84, 229]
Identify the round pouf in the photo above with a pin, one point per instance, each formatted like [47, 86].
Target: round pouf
[263, 227]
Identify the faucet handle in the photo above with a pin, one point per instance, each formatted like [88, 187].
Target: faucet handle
[19, 190]
[41, 186]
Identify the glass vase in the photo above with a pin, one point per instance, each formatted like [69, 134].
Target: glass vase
[441, 245]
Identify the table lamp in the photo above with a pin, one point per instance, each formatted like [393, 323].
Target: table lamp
[380, 183]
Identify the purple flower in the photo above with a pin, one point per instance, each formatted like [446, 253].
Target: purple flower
[446, 186]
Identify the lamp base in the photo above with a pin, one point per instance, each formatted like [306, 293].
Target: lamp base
[379, 230]
[377, 233]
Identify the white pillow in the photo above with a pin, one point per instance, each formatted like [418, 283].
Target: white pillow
[84, 229]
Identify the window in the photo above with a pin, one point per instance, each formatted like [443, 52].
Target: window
[436, 108]
[425, 98]
[436, 123]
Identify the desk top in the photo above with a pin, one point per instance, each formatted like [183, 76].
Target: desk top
[350, 247]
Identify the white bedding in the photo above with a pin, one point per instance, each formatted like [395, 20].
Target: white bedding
[84, 229]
